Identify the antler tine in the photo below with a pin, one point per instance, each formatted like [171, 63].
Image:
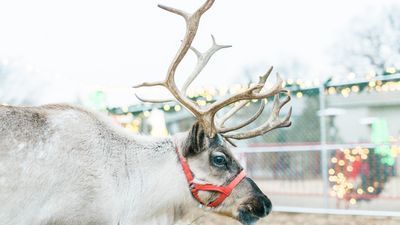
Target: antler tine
[207, 116]
[273, 121]
[149, 84]
[202, 60]
[245, 123]
[247, 94]
[192, 24]
[150, 100]
[235, 109]
[184, 14]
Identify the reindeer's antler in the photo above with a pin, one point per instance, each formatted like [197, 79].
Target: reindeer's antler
[206, 115]
[192, 24]
[228, 115]
[272, 123]
[202, 60]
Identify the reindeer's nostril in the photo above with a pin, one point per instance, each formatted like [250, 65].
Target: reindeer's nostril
[267, 205]
[255, 208]
[262, 206]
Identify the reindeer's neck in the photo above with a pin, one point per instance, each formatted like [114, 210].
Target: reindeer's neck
[156, 189]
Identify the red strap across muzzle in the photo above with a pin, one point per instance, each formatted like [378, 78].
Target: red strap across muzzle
[224, 191]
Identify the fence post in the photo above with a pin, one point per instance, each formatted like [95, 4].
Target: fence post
[324, 150]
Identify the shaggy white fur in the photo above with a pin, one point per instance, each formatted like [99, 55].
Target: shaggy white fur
[64, 165]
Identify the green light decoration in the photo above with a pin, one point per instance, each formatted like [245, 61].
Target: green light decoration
[380, 137]
[96, 100]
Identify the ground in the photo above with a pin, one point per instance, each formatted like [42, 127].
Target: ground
[277, 218]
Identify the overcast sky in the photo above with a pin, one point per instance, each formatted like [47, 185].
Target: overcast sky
[123, 42]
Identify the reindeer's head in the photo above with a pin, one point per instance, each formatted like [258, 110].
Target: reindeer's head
[207, 161]
[213, 166]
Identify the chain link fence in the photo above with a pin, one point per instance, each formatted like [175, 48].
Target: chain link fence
[342, 151]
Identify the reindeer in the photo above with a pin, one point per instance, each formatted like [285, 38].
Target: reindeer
[64, 165]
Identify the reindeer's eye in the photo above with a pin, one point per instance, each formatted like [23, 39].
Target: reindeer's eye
[219, 160]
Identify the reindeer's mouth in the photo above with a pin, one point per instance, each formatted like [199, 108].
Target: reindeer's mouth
[250, 213]
[244, 216]
[247, 218]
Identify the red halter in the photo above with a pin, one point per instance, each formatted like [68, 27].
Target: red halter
[224, 191]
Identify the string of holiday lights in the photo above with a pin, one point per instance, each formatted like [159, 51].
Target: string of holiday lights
[350, 85]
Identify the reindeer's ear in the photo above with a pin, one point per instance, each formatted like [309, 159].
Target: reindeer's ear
[196, 141]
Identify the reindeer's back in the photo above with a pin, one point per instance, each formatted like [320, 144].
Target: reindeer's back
[32, 127]
[21, 125]
[49, 156]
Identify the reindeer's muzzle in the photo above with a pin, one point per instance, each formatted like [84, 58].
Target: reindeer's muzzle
[256, 207]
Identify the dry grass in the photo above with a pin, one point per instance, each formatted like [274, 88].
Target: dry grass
[302, 219]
